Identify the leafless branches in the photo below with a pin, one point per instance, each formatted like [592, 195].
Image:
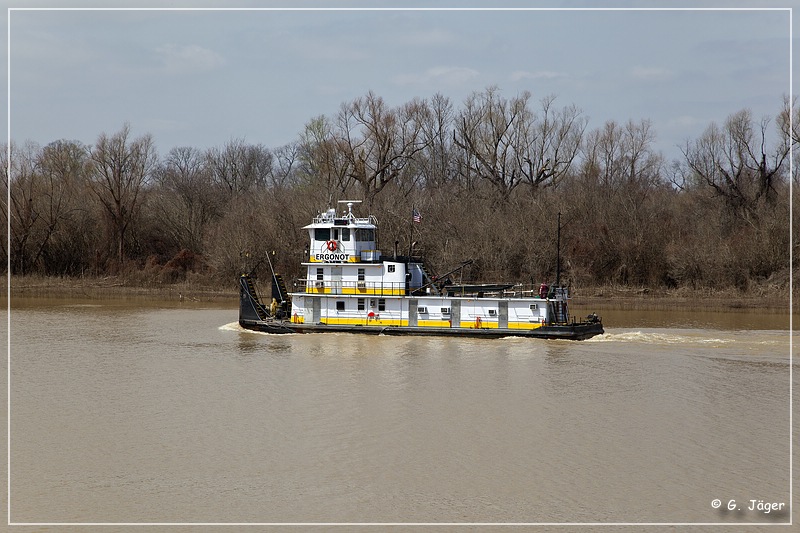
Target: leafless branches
[489, 176]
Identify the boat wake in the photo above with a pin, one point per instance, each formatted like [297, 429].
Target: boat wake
[234, 326]
[664, 338]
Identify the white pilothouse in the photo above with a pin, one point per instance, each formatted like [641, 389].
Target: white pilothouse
[350, 285]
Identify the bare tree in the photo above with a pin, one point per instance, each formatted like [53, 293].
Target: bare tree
[25, 214]
[64, 166]
[121, 168]
[284, 165]
[789, 126]
[436, 160]
[4, 207]
[322, 163]
[46, 204]
[554, 143]
[736, 164]
[621, 224]
[379, 142]
[507, 143]
[601, 151]
[621, 156]
[185, 201]
[495, 135]
[239, 167]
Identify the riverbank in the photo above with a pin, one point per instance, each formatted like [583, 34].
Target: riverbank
[198, 290]
[206, 290]
[773, 299]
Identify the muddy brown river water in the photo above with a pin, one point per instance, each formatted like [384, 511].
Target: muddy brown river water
[123, 411]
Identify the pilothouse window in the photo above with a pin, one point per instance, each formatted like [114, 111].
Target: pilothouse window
[322, 234]
[365, 235]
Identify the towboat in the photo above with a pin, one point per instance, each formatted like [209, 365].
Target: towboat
[351, 286]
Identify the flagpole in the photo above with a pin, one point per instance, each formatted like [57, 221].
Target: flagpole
[411, 233]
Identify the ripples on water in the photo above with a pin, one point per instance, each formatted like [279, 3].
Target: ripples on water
[151, 415]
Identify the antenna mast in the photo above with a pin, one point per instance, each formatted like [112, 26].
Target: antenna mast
[558, 252]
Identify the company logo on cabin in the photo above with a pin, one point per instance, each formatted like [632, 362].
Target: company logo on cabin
[332, 251]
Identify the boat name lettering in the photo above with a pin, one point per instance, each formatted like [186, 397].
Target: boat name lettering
[332, 257]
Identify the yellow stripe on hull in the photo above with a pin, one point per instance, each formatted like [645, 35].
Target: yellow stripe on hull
[494, 325]
[434, 323]
[421, 323]
[483, 325]
[524, 325]
[362, 322]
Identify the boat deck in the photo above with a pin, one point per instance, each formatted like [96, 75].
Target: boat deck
[576, 331]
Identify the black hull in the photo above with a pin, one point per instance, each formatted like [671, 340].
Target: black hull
[577, 331]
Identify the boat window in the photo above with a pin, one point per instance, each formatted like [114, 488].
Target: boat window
[492, 312]
[381, 304]
[340, 306]
[361, 304]
[320, 277]
[361, 274]
[422, 310]
[322, 234]
[335, 234]
[345, 234]
[534, 307]
[445, 310]
[365, 235]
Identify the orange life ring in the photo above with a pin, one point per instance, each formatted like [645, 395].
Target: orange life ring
[331, 246]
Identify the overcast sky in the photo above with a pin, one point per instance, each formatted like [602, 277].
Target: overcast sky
[201, 78]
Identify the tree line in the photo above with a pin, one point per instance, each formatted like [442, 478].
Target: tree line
[489, 178]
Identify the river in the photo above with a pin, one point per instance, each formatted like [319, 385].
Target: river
[127, 411]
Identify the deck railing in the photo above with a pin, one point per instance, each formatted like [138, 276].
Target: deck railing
[372, 288]
[366, 288]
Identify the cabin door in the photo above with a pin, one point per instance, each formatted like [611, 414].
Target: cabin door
[502, 314]
[336, 280]
[455, 314]
[315, 310]
[413, 308]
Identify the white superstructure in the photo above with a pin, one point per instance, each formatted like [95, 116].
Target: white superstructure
[350, 282]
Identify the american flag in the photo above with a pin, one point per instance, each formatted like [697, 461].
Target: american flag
[415, 215]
